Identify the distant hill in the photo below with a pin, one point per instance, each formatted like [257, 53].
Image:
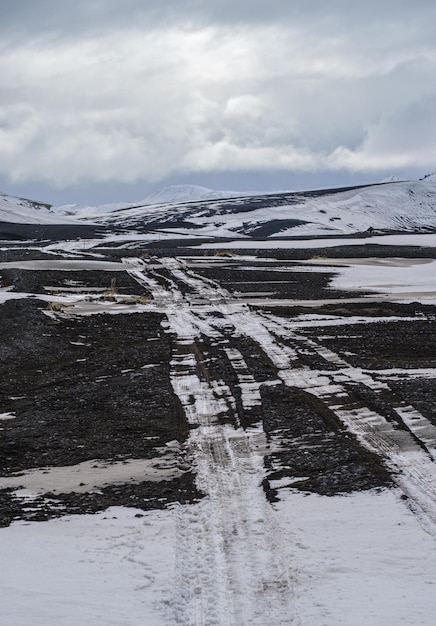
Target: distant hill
[22, 211]
[190, 211]
[167, 195]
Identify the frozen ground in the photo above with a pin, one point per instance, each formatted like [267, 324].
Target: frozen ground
[235, 558]
[111, 568]
[360, 559]
[298, 244]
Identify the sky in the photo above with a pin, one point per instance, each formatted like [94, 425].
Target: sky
[109, 100]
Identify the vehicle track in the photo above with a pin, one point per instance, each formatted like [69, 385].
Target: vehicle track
[232, 565]
[232, 559]
[412, 468]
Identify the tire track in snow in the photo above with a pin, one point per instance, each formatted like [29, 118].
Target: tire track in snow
[229, 539]
[239, 575]
[418, 425]
[232, 559]
[413, 470]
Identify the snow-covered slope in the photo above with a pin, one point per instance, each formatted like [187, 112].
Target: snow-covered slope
[397, 206]
[190, 193]
[172, 194]
[191, 211]
[21, 211]
[429, 178]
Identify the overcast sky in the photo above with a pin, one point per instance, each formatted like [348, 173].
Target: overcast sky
[105, 100]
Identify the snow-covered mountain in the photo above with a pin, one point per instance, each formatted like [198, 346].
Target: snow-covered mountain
[396, 206]
[190, 193]
[172, 194]
[22, 211]
[191, 211]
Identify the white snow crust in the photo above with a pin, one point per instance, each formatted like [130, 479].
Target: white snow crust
[20, 210]
[360, 559]
[276, 243]
[409, 280]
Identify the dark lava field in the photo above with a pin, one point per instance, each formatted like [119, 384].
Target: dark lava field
[87, 371]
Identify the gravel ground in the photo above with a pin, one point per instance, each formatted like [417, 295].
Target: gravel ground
[98, 387]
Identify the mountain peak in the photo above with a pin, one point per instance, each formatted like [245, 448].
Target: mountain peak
[180, 193]
[392, 179]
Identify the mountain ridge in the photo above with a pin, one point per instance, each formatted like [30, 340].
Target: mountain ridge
[191, 211]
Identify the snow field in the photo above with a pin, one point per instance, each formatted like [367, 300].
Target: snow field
[110, 568]
[363, 560]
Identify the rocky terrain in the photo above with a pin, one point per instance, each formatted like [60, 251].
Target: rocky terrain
[89, 360]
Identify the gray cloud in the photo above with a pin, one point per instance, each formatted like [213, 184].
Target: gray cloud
[386, 21]
[106, 91]
[45, 14]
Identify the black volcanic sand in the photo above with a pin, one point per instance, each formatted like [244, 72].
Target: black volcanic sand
[316, 453]
[398, 344]
[381, 345]
[360, 251]
[82, 386]
[98, 387]
[215, 364]
[48, 232]
[36, 281]
[298, 284]
[421, 393]
[145, 495]
[315, 448]
[20, 253]
[80, 391]
[365, 309]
